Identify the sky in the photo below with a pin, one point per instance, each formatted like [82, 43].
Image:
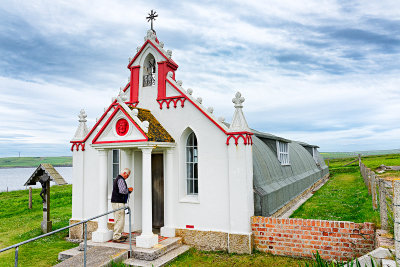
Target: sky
[323, 72]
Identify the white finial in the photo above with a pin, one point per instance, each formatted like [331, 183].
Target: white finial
[210, 109]
[161, 44]
[179, 82]
[200, 100]
[129, 59]
[105, 109]
[221, 119]
[122, 95]
[170, 74]
[190, 91]
[82, 116]
[238, 100]
[239, 122]
[150, 35]
[138, 49]
[169, 53]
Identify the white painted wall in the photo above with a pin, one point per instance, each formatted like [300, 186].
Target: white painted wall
[223, 203]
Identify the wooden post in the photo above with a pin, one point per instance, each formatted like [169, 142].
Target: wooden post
[373, 191]
[328, 163]
[396, 207]
[30, 198]
[382, 204]
[369, 180]
[359, 159]
[46, 223]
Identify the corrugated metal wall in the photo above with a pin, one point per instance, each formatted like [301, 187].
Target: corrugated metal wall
[274, 184]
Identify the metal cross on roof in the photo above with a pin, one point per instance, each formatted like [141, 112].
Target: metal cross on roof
[152, 16]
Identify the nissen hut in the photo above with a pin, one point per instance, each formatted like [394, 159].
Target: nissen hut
[193, 174]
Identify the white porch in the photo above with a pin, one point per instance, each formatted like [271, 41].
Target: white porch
[138, 158]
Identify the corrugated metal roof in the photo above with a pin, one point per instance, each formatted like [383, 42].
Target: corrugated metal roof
[274, 184]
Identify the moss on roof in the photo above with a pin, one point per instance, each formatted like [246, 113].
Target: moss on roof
[156, 132]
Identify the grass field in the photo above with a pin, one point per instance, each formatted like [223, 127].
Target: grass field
[34, 161]
[18, 223]
[344, 197]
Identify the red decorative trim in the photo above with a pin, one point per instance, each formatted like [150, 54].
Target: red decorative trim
[111, 220]
[190, 226]
[134, 84]
[77, 144]
[122, 127]
[173, 99]
[158, 50]
[108, 122]
[201, 110]
[132, 104]
[246, 136]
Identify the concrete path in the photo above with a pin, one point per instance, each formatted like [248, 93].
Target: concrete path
[96, 256]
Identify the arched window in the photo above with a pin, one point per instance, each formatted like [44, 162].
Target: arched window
[149, 71]
[192, 183]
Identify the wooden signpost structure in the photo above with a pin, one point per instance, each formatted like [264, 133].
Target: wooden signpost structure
[44, 174]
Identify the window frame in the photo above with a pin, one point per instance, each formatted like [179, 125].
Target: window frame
[191, 166]
[283, 154]
[114, 164]
[314, 150]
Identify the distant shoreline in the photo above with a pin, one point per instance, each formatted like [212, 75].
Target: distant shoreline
[18, 167]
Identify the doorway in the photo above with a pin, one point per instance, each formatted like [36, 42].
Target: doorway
[157, 190]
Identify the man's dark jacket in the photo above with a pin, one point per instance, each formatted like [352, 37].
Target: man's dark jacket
[116, 196]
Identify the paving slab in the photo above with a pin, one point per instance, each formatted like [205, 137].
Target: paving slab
[141, 253]
[96, 257]
[161, 261]
[68, 253]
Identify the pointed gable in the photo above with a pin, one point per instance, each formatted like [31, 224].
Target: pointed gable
[120, 128]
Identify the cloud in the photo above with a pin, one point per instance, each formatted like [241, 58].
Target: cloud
[324, 72]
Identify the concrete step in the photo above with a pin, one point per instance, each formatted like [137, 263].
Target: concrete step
[68, 253]
[96, 257]
[161, 261]
[149, 254]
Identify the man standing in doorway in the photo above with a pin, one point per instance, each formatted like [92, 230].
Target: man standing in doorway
[119, 198]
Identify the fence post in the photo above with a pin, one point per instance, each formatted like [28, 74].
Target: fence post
[30, 198]
[396, 206]
[382, 204]
[373, 189]
[369, 180]
[359, 159]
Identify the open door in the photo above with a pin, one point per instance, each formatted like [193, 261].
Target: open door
[157, 180]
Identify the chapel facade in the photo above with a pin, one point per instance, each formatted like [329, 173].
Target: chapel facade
[193, 174]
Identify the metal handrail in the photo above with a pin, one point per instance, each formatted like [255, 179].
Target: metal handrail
[16, 246]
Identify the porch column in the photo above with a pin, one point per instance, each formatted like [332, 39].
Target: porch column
[102, 234]
[147, 239]
[128, 163]
[168, 230]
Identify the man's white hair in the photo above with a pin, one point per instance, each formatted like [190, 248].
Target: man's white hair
[126, 170]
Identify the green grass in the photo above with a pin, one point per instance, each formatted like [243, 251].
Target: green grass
[343, 198]
[18, 223]
[196, 257]
[34, 161]
[336, 155]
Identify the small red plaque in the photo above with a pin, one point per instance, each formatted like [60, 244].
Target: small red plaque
[122, 127]
[190, 226]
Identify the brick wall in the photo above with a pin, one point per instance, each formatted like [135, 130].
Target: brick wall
[301, 237]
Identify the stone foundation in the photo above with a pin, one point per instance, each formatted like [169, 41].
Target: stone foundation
[77, 232]
[212, 240]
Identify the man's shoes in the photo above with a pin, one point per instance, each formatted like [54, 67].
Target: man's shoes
[120, 240]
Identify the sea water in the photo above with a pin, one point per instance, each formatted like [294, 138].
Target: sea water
[14, 178]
